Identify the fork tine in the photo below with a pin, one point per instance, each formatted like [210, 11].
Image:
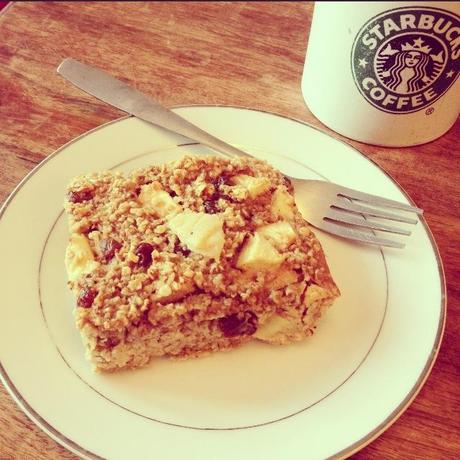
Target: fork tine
[376, 200]
[352, 234]
[344, 203]
[343, 216]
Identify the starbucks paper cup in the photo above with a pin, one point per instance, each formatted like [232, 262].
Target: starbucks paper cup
[384, 73]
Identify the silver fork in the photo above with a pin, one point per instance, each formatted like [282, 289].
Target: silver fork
[352, 214]
[330, 207]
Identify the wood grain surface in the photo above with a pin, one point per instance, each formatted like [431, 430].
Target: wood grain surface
[239, 54]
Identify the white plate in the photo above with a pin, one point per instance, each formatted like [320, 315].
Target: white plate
[325, 397]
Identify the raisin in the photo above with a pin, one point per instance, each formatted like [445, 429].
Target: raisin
[244, 323]
[221, 180]
[172, 193]
[91, 228]
[86, 297]
[288, 184]
[109, 247]
[111, 342]
[210, 206]
[78, 196]
[227, 198]
[179, 249]
[144, 252]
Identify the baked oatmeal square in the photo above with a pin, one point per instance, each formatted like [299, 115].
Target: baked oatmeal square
[191, 257]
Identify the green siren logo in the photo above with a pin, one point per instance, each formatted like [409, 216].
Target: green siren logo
[405, 59]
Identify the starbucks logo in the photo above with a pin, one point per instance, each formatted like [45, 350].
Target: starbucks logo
[405, 59]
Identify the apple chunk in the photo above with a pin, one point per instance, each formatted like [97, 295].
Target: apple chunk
[280, 234]
[254, 185]
[200, 232]
[79, 258]
[274, 326]
[282, 205]
[259, 254]
[158, 201]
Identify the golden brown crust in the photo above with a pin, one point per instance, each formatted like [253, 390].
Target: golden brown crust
[127, 302]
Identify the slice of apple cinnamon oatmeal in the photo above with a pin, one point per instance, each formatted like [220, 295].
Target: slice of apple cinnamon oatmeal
[190, 257]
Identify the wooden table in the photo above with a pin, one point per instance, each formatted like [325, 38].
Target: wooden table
[238, 54]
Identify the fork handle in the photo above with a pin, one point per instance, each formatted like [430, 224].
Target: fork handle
[118, 94]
